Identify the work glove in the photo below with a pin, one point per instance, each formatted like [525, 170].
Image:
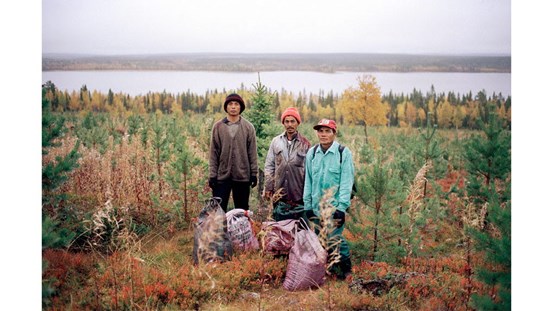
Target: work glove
[212, 182]
[309, 215]
[253, 181]
[340, 218]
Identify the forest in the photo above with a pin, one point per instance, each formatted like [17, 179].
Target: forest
[329, 62]
[125, 177]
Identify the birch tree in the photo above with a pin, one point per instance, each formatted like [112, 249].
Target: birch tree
[363, 105]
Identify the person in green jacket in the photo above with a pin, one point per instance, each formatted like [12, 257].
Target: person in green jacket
[326, 167]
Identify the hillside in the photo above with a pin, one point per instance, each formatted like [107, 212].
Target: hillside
[280, 62]
[124, 180]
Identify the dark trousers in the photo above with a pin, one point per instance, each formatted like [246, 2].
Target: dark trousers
[287, 210]
[240, 193]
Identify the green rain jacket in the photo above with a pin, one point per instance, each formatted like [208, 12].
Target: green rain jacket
[324, 171]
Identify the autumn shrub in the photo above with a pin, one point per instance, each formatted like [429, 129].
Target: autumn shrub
[442, 291]
[69, 270]
[371, 270]
[196, 285]
[428, 283]
[394, 300]
[129, 173]
[440, 283]
[122, 280]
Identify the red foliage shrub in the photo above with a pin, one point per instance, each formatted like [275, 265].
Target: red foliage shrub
[371, 270]
[64, 265]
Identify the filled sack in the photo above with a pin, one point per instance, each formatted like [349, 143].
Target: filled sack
[306, 261]
[240, 230]
[211, 240]
[277, 237]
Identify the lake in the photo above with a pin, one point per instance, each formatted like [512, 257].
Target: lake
[142, 82]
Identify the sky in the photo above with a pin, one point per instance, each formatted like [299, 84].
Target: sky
[276, 26]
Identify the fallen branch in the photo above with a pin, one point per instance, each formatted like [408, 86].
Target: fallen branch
[380, 286]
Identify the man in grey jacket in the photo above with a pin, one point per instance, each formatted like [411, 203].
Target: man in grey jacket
[285, 168]
[233, 155]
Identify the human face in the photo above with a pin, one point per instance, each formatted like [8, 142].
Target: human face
[326, 136]
[233, 108]
[290, 125]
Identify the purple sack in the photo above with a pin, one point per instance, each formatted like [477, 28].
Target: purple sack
[278, 236]
[306, 262]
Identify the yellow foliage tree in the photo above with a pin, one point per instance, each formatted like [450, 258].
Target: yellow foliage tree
[422, 115]
[176, 109]
[363, 105]
[74, 102]
[459, 116]
[97, 101]
[472, 113]
[445, 114]
[326, 112]
[85, 100]
[216, 103]
[118, 107]
[410, 113]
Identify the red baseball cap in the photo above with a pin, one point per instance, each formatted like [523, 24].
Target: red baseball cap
[327, 123]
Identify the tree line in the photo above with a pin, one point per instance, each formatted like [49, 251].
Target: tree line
[250, 62]
[446, 111]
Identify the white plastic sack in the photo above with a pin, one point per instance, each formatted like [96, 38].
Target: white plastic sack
[240, 230]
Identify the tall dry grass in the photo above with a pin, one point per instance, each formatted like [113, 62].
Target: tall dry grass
[326, 227]
[415, 202]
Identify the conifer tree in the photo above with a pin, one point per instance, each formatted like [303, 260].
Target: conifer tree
[260, 115]
[379, 189]
[488, 163]
[160, 144]
[54, 174]
[180, 167]
[488, 159]
[92, 132]
[431, 152]
[135, 122]
[496, 245]
[261, 112]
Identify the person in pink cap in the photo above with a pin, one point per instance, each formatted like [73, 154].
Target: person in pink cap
[285, 168]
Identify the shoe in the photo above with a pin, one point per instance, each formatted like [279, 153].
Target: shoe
[344, 269]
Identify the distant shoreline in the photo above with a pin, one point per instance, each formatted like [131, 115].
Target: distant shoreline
[236, 62]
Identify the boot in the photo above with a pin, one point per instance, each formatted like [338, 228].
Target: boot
[344, 269]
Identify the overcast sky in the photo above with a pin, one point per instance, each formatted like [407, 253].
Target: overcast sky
[276, 26]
